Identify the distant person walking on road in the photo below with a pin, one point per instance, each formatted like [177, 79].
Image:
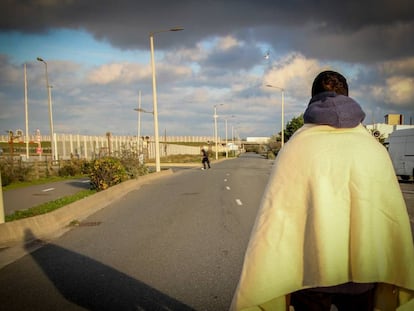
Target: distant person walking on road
[205, 160]
[332, 228]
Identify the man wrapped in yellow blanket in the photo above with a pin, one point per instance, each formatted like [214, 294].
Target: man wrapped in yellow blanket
[333, 227]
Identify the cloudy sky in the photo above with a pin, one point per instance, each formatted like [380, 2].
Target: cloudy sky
[98, 60]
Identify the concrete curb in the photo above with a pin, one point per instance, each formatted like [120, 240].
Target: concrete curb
[48, 225]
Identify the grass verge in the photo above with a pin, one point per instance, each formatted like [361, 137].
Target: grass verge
[49, 206]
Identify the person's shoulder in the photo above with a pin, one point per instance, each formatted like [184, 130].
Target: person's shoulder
[315, 135]
[322, 128]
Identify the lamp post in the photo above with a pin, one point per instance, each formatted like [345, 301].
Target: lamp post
[227, 145]
[154, 92]
[215, 128]
[283, 112]
[232, 135]
[139, 110]
[49, 94]
[139, 123]
[26, 113]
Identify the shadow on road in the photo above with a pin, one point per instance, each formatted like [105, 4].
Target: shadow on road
[95, 286]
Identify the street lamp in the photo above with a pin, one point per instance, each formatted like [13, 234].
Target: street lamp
[215, 128]
[48, 88]
[143, 110]
[139, 124]
[154, 92]
[227, 145]
[139, 110]
[283, 112]
[26, 113]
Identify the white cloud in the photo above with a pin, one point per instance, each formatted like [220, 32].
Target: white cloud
[118, 72]
[294, 73]
[187, 55]
[400, 90]
[227, 43]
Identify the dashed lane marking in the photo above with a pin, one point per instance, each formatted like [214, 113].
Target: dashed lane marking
[239, 202]
[48, 189]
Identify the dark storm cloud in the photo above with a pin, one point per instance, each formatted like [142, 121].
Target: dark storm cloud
[239, 57]
[349, 30]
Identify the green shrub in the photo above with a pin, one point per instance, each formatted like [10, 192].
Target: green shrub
[75, 167]
[68, 170]
[271, 155]
[6, 179]
[107, 172]
[13, 172]
[129, 159]
[86, 167]
[133, 168]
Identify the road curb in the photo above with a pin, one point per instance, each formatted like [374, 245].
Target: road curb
[48, 225]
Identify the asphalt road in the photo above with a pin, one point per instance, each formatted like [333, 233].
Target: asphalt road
[177, 243]
[27, 197]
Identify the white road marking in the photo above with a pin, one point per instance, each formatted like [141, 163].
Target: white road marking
[225, 179]
[48, 189]
[227, 187]
[239, 202]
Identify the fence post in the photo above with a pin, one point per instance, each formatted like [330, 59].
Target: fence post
[63, 143]
[71, 145]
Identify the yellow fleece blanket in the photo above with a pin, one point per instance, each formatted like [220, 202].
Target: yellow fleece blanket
[332, 212]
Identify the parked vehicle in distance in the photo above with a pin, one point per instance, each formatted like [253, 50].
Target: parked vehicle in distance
[401, 150]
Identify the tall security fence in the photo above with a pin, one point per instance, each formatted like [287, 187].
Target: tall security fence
[68, 146]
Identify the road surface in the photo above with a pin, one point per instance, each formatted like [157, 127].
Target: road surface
[27, 197]
[177, 243]
[31, 196]
[174, 244]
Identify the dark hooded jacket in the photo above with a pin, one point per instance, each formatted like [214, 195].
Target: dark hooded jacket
[329, 108]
